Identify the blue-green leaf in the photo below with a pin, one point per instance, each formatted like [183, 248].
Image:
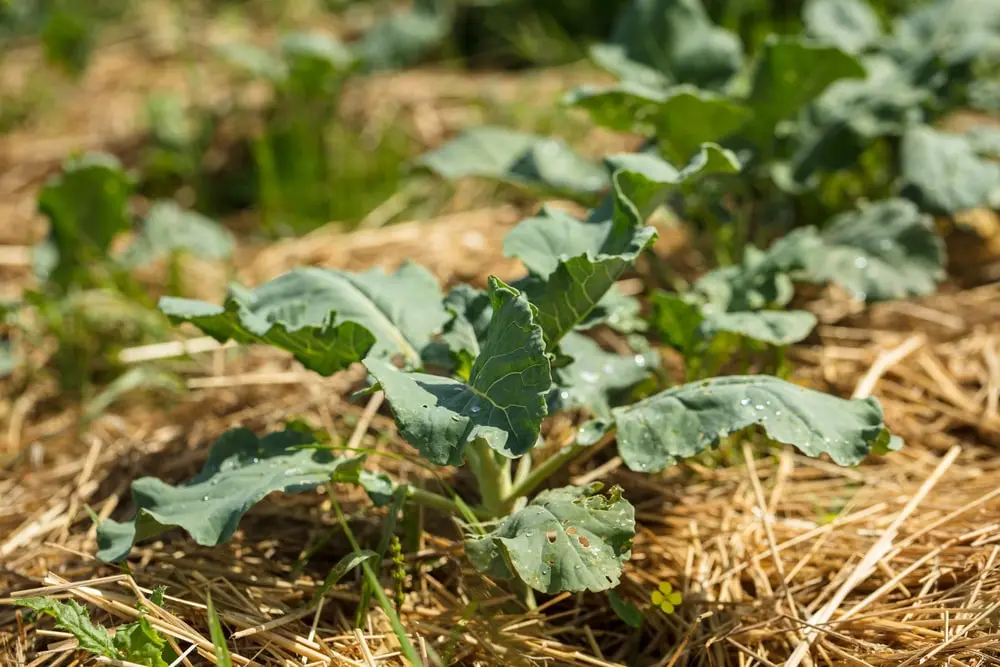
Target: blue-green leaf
[682, 421]
[595, 376]
[168, 229]
[240, 471]
[503, 403]
[943, 173]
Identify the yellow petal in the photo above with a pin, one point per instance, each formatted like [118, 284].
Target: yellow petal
[667, 608]
[665, 587]
[657, 597]
[675, 598]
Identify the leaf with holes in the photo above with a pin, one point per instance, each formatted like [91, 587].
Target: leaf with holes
[569, 539]
[682, 421]
[241, 470]
[503, 403]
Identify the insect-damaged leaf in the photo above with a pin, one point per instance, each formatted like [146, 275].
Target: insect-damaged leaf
[943, 173]
[682, 421]
[503, 402]
[168, 228]
[328, 319]
[884, 250]
[87, 206]
[524, 159]
[682, 117]
[594, 376]
[568, 539]
[74, 619]
[850, 25]
[240, 471]
[789, 74]
[677, 38]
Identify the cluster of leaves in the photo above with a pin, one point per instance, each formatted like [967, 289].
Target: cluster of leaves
[137, 643]
[470, 375]
[87, 298]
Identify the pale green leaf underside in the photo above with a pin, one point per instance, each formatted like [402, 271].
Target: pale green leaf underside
[681, 422]
[567, 539]
[520, 158]
[503, 402]
[240, 471]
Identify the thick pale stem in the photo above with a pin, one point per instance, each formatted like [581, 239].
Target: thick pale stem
[493, 476]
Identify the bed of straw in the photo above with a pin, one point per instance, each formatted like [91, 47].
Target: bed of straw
[783, 560]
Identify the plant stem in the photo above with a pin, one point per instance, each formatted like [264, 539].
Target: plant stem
[432, 500]
[492, 475]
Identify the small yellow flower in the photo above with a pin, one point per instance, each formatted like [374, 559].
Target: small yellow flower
[666, 598]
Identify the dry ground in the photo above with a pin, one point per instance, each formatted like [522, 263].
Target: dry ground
[787, 560]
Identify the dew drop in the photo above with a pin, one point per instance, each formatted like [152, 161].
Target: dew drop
[860, 262]
[745, 401]
[587, 376]
[204, 498]
[640, 360]
[758, 407]
[475, 409]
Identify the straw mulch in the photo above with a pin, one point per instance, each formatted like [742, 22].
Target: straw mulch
[785, 560]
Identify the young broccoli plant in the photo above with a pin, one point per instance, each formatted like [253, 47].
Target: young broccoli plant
[502, 360]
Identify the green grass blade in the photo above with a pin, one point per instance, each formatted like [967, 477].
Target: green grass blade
[222, 656]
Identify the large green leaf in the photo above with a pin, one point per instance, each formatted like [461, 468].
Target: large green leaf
[524, 159]
[168, 229]
[503, 402]
[677, 38]
[791, 73]
[943, 173]
[614, 58]
[568, 539]
[328, 319]
[595, 376]
[884, 250]
[87, 206]
[240, 471]
[682, 118]
[681, 422]
[850, 25]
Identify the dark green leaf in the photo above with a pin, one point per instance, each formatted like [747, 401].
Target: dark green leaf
[240, 471]
[677, 38]
[625, 610]
[677, 320]
[87, 206]
[568, 539]
[343, 566]
[503, 403]
[791, 73]
[681, 422]
[328, 319]
[682, 117]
